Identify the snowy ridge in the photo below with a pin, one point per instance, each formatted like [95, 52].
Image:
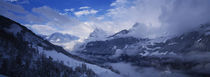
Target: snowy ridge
[74, 63]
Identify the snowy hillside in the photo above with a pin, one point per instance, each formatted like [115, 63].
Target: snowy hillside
[34, 56]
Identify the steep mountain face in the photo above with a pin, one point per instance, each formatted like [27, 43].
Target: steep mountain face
[24, 54]
[97, 34]
[99, 43]
[185, 55]
[109, 47]
[61, 38]
[99, 51]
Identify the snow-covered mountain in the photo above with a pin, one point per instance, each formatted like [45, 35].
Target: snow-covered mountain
[97, 34]
[24, 54]
[101, 44]
[67, 41]
[121, 33]
[61, 38]
[137, 30]
[186, 55]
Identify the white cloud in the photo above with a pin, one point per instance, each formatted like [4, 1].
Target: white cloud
[54, 18]
[100, 17]
[8, 9]
[85, 12]
[41, 29]
[119, 2]
[69, 10]
[84, 7]
[154, 16]
[160, 16]
[137, 11]
[82, 30]
[45, 20]
[62, 23]
[11, 10]
[12, 0]
[180, 16]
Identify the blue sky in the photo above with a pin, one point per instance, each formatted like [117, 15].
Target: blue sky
[63, 4]
[81, 17]
[60, 5]
[65, 16]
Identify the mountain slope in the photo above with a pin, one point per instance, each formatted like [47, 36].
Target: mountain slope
[23, 54]
[185, 55]
[99, 51]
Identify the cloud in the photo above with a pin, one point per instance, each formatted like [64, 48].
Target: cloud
[69, 10]
[160, 17]
[12, 0]
[60, 23]
[54, 18]
[85, 12]
[136, 11]
[8, 10]
[156, 17]
[41, 29]
[100, 17]
[18, 13]
[180, 16]
[84, 7]
[82, 30]
[45, 20]
[34, 19]
[39, 15]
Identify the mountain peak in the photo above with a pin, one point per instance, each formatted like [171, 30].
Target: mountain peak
[97, 34]
[61, 38]
[121, 33]
[135, 31]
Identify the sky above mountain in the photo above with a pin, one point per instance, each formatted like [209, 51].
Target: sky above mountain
[81, 17]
